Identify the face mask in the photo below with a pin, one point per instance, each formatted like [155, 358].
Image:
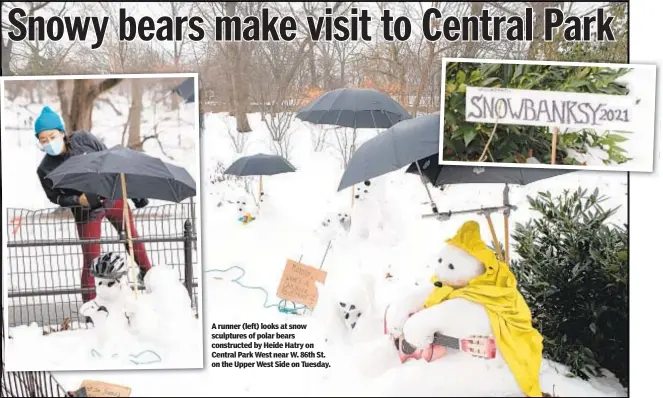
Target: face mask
[54, 148]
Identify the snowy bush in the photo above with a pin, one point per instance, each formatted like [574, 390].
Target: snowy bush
[573, 272]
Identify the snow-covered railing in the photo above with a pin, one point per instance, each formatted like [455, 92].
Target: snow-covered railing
[45, 259]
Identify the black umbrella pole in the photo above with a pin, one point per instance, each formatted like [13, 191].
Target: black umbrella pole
[423, 181]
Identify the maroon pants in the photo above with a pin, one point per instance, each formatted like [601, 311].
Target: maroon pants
[92, 230]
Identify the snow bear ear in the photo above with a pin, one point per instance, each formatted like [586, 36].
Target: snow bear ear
[367, 183]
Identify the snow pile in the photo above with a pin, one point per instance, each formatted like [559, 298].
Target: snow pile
[155, 330]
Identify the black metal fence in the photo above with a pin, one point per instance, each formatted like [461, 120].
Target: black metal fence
[45, 259]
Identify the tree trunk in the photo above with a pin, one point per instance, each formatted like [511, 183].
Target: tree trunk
[239, 86]
[77, 108]
[6, 56]
[472, 48]
[537, 43]
[80, 111]
[135, 115]
[242, 93]
[425, 78]
[312, 69]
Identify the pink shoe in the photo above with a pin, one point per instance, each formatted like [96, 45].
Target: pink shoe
[434, 352]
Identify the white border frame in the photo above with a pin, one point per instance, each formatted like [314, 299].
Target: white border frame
[542, 166]
[198, 223]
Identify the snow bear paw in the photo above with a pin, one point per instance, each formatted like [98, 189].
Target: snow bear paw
[418, 331]
[90, 308]
[396, 317]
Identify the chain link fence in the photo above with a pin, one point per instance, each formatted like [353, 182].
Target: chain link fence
[45, 259]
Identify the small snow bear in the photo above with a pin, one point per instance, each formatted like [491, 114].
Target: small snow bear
[347, 310]
[328, 229]
[245, 210]
[266, 206]
[113, 308]
[345, 221]
[367, 214]
[472, 293]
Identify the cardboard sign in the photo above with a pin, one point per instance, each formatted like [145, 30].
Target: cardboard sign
[550, 108]
[101, 389]
[298, 283]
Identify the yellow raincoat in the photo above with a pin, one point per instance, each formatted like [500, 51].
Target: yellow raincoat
[511, 321]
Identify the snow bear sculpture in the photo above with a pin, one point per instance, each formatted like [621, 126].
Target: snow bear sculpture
[114, 307]
[245, 210]
[471, 293]
[368, 215]
[346, 310]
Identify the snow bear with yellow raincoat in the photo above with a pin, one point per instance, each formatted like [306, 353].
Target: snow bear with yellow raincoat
[471, 293]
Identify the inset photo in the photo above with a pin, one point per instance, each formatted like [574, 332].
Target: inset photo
[100, 210]
[573, 115]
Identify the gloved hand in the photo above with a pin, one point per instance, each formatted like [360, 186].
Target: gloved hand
[140, 203]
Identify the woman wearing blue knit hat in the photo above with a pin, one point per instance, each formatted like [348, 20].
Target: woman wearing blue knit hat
[88, 209]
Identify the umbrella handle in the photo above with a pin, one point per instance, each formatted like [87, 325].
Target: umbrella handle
[494, 235]
[127, 229]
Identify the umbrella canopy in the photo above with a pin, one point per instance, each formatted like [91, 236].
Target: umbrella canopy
[355, 108]
[447, 174]
[260, 165]
[146, 176]
[186, 90]
[395, 148]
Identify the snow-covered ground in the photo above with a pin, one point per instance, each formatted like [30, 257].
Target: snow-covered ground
[289, 227]
[53, 268]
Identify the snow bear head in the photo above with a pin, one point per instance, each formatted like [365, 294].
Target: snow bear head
[364, 191]
[344, 220]
[244, 206]
[160, 278]
[456, 267]
[264, 198]
[328, 221]
[110, 290]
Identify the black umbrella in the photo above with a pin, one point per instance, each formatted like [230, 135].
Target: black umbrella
[187, 90]
[395, 148]
[260, 165]
[439, 175]
[354, 107]
[101, 173]
[120, 172]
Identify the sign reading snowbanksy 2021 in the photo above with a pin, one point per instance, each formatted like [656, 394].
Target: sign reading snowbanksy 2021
[549, 108]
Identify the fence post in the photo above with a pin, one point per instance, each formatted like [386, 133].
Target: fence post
[188, 258]
[192, 212]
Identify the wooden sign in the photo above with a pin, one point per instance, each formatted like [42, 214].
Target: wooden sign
[101, 389]
[298, 283]
[550, 108]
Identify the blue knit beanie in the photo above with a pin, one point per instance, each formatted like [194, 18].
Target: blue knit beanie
[48, 120]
